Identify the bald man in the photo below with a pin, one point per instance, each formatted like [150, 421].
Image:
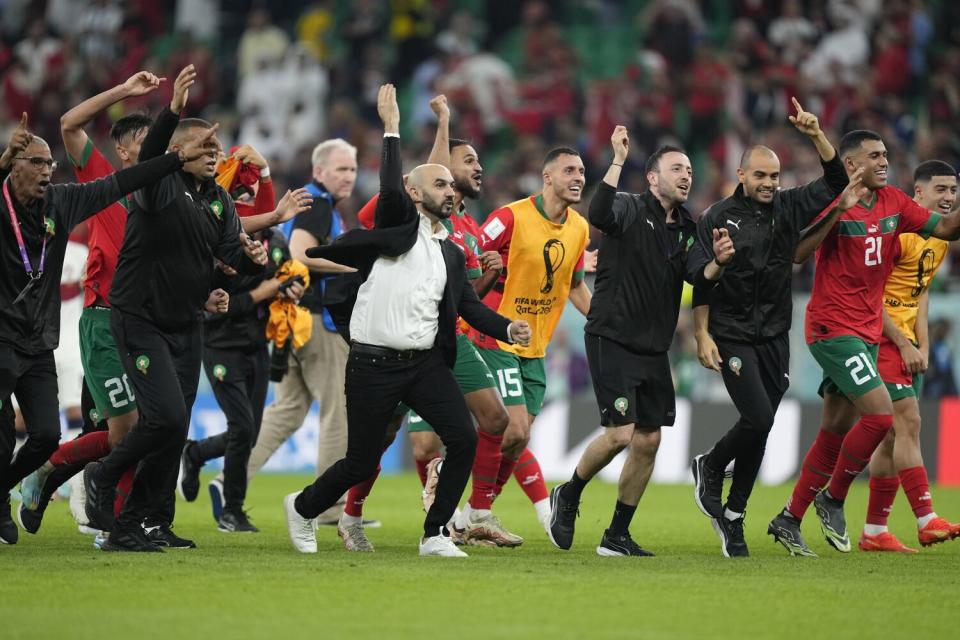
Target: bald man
[742, 321]
[35, 220]
[402, 324]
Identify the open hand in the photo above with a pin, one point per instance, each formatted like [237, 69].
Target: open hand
[854, 192]
[387, 108]
[203, 144]
[292, 204]
[181, 88]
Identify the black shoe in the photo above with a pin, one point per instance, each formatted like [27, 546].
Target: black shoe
[9, 534]
[785, 529]
[833, 524]
[707, 487]
[620, 544]
[732, 542]
[563, 518]
[100, 498]
[236, 522]
[188, 482]
[162, 536]
[129, 538]
[30, 519]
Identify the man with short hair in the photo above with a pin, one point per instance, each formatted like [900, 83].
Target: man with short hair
[901, 362]
[844, 325]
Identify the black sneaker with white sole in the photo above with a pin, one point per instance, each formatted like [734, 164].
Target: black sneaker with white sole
[129, 538]
[620, 544]
[236, 522]
[563, 518]
[9, 534]
[162, 536]
[217, 498]
[833, 523]
[730, 532]
[785, 529]
[707, 486]
[30, 519]
[100, 498]
[188, 482]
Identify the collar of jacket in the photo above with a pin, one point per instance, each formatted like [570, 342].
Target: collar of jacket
[752, 206]
[654, 204]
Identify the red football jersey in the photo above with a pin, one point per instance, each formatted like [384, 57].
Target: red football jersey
[106, 228]
[853, 264]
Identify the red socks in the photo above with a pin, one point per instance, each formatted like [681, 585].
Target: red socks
[858, 446]
[86, 448]
[507, 466]
[123, 490]
[882, 493]
[530, 477]
[815, 472]
[917, 488]
[486, 468]
[358, 495]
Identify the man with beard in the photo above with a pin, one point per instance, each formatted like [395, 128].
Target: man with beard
[541, 241]
[403, 338]
[632, 319]
[743, 321]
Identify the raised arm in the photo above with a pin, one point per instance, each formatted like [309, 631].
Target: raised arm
[20, 138]
[606, 213]
[394, 206]
[73, 121]
[440, 154]
[158, 138]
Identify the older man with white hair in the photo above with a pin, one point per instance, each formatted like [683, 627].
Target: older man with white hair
[316, 370]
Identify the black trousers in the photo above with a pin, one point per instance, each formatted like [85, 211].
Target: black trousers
[375, 384]
[33, 378]
[164, 369]
[239, 380]
[756, 387]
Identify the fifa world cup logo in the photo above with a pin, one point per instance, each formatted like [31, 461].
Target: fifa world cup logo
[553, 255]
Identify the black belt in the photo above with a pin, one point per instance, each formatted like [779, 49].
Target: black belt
[386, 352]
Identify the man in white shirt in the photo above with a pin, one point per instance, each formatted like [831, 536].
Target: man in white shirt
[403, 338]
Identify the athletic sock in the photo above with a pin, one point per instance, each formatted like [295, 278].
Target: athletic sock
[486, 466]
[542, 507]
[507, 465]
[917, 488]
[883, 491]
[346, 519]
[815, 472]
[123, 490]
[422, 471]
[923, 520]
[875, 529]
[622, 515]
[574, 488]
[530, 476]
[358, 493]
[858, 446]
[732, 515]
[86, 448]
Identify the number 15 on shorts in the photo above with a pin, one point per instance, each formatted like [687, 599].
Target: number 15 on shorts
[510, 385]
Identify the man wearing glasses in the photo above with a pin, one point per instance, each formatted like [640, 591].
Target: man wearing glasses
[35, 221]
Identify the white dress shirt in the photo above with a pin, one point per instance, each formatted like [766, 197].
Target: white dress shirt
[399, 304]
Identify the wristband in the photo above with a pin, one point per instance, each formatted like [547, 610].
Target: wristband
[265, 172]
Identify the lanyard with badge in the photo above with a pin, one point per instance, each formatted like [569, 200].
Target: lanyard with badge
[34, 276]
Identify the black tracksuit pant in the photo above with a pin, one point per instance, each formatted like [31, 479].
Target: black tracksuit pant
[239, 380]
[375, 384]
[164, 369]
[756, 391]
[33, 378]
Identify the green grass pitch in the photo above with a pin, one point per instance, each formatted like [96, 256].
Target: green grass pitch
[54, 585]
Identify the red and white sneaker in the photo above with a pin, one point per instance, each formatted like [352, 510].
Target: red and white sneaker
[885, 541]
[936, 531]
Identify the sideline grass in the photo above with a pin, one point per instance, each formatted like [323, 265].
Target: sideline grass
[54, 585]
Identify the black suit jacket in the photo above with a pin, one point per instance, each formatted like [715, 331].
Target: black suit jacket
[395, 232]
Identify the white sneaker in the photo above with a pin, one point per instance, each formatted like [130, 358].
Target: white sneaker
[302, 534]
[78, 500]
[440, 545]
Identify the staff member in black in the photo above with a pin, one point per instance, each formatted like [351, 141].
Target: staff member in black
[175, 231]
[742, 322]
[403, 338]
[632, 319]
[35, 221]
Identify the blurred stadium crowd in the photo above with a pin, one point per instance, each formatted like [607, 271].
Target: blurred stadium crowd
[520, 76]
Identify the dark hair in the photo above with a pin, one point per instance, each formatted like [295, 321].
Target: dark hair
[925, 171]
[653, 162]
[556, 152]
[458, 142]
[128, 125]
[853, 139]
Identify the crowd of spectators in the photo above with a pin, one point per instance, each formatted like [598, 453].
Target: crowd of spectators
[520, 76]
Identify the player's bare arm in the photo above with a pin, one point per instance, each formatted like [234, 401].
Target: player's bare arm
[809, 125]
[707, 351]
[813, 236]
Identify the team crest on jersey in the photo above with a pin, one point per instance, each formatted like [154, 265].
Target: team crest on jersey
[217, 208]
[735, 364]
[49, 226]
[621, 404]
[219, 372]
[142, 362]
[277, 255]
[95, 416]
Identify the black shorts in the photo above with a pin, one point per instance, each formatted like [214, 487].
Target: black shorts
[631, 388]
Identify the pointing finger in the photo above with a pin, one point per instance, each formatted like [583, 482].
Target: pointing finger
[796, 104]
[23, 120]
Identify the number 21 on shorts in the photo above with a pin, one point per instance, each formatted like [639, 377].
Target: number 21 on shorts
[856, 365]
